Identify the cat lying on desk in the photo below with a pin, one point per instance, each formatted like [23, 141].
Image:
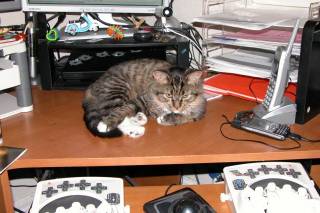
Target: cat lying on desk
[119, 101]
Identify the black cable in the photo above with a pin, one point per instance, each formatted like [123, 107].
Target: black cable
[30, 208]
[168, 188]
[130, 181]
[52, 17]
[197, 178]
[171, 4]
[190, 33]
[310, 140]
[251, 90]
[18, 210]
[192, 57]
[96, 16]
[255, 141]
[61, 18]
[295, 136]
[256, 99]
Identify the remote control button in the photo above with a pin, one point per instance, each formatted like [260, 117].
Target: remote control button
[76, 207]
[266, 170]
[65, 186]
[271, 187]
[287, 188]
[90, 208]
[49, 192]
[99, 188]
[293, 173]
[239, 184]
[303, 193]
[113, 198]
[280, 170]
[252, 174]
[83, 184]
[236, 173]
[61, 209]
[258, 191]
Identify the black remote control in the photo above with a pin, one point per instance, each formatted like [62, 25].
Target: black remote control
[248, 121]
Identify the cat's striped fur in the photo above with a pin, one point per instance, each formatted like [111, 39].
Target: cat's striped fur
[171, 95]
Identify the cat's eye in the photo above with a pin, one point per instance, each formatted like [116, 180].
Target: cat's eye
[185, 96]
[168, 95]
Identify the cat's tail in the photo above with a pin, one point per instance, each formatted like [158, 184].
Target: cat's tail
[92, 117]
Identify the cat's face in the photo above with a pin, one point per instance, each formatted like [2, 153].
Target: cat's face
[177, 90]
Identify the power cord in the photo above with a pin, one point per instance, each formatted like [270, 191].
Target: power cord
[193, 36]
[261, 81]
[251, 90]
[18, 210]
[168, 188]
[301, 138]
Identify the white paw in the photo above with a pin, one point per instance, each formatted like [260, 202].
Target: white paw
[102, 127]
[160, 119]
[135, 132]
[139, 119]
[130, 129]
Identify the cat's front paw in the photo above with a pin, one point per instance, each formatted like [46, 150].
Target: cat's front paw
[135, 132]
[170, 119]
[139, 119]
[130, 129]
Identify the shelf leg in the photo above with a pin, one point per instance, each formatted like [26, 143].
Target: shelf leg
[6, 201]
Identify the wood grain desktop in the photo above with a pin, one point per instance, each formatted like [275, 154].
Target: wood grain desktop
[55, 136]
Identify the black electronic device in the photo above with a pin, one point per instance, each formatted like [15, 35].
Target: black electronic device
[308, 86]
[167, 11]
[248, 121]
[143, 35]
[182, 201]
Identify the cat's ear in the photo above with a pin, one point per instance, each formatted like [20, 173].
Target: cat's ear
[160, 76]
[195, 77]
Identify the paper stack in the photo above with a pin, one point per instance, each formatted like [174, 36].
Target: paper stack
[244, 87]
[249, 37]
[249, 63]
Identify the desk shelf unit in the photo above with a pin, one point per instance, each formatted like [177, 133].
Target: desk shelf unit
[222, 38]
[60, 65]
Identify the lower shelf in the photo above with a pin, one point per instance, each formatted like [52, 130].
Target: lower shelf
[136, 197]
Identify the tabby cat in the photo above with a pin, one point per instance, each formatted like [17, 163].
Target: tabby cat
[132, 90]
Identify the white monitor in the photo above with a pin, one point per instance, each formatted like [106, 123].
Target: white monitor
[96, 6]
[10, 5]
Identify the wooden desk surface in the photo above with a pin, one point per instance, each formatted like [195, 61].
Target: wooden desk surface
[55, 136]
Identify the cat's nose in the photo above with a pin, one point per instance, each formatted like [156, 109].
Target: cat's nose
[176, 104]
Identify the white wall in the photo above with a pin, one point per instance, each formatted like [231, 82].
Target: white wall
[184, 10]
